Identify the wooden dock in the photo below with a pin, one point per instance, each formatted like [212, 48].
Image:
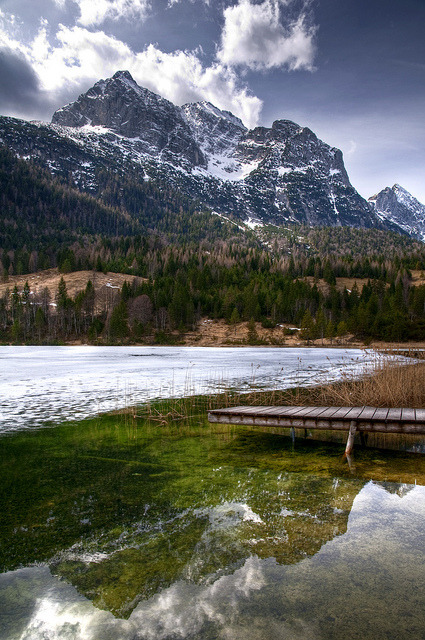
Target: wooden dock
[351, 419]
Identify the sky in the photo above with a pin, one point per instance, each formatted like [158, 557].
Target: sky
[353, 71]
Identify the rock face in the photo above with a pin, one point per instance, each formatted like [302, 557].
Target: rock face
[305, 178]
[279, 174]
[119, 104]
[217, 132]
[398, 207]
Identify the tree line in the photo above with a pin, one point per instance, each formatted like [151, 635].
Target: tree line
[177, 287]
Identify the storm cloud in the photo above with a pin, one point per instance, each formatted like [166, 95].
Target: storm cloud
[19, 84]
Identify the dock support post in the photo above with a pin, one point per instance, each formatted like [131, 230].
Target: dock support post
[293, 435]
[363, 438]
[350, 439]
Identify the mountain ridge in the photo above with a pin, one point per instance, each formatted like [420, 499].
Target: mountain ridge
[279, 174]
[397, 206]
[267, 175]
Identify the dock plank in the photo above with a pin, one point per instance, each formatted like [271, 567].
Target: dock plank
[380, 414]
[408, 415]
[354, 413]
[341, 412]
[420, 415]
[305, 411]
[394, 414]
[280, 411]
[318, 413]
[329, 412]
[367, 413]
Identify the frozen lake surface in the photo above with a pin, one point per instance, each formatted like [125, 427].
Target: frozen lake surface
[39, 385]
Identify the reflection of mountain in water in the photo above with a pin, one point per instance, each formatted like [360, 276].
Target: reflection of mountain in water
[400, 489]
[287, 517]
[364, 584]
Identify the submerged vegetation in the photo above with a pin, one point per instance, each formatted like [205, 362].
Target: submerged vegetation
[131, 522]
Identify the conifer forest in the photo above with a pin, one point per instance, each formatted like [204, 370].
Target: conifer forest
[184, 264]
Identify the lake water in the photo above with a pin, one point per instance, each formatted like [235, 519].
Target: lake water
[115, 532]
[52, 384]
[116, 529]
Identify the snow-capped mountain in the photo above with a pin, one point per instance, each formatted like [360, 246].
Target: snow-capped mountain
[279, 174]
[155, 126]
[397, 206]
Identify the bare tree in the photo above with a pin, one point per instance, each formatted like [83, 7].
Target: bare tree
[140, 309]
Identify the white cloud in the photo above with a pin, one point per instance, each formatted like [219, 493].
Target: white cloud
[94, 12]
[254, 36]
[74, 58]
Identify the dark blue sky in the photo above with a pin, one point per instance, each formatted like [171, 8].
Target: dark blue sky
[353, 71]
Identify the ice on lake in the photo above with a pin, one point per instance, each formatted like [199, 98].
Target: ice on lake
[51, 384]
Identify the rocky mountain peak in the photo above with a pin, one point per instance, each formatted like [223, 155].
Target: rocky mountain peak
[123, 75]
[120, 105]
[396, 206]
[284, 129]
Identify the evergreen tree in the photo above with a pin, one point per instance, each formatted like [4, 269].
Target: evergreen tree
[330, 331]
[118, 328]
[307, 326]
[252, 332]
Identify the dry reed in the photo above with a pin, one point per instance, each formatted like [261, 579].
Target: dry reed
[389, 385]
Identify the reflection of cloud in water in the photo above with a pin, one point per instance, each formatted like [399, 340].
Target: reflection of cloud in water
[180, 611]
[183, 609]
[364, 583]
[398, 507]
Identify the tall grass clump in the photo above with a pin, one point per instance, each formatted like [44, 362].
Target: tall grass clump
[389, 385]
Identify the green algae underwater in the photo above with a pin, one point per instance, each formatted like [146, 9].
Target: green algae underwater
[121, 527]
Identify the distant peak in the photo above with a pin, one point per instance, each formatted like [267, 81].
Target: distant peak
[123, 75]
[398, 187]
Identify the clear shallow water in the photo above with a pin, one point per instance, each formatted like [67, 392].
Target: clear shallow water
[115, 530]
[264, 599]
[52, 384]
[117, 533]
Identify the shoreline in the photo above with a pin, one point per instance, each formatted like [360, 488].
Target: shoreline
[391, 348]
